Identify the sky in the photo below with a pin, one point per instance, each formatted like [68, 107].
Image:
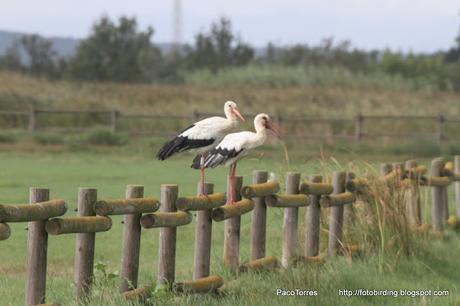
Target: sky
[406, 25]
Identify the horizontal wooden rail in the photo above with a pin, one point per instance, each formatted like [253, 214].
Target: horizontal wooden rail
[5, 231]
[400, 117]
[436, 181]
[268, 262]
[392, 176]
[202, 202]
[315, 260]
[288, 200]
[260, 190]
[416, 172]
[337, 199]
[356, 185]
[73, 225]
[140, 293]
[166, 219]
[13, 113]
[201, 285]
[232, 210]
[36, 212]
[126, 206]
[153, 116]
[315, 188]
[72, 111]
[448, 169]
[456, 177]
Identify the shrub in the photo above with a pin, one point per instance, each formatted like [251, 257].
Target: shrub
[7, 138]
[48, 139]
[105, 137]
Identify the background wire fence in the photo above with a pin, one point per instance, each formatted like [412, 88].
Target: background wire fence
[357, 128]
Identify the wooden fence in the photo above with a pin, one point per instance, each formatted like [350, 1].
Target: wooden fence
[358, 127]
[44, 217]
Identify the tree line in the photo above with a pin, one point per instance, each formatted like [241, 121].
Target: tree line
[119, 51]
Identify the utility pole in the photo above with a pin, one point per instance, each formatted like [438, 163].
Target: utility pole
[177, 25]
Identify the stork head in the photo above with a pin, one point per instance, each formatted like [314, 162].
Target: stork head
[263, 122]
[231, 111]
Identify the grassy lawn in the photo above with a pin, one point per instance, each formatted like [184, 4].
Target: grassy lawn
[434, 266]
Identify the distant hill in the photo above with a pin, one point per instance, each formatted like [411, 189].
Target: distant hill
[64, 46]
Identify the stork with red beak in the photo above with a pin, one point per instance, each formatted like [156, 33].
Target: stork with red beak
[202, 136]
[235, 146]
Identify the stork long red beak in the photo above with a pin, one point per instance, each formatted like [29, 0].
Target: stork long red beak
[274, 128]
[237, 113]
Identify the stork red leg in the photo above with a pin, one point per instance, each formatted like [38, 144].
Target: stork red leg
[232, 183]
[203, 156]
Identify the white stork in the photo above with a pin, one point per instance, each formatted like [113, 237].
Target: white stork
[235, 146]
[202, 136]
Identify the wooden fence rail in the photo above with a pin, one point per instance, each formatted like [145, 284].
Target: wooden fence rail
[332, 196]
[356, 127]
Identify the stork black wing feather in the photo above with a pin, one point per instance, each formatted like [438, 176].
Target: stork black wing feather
[180, 144]
[216, 157]
[196, 163]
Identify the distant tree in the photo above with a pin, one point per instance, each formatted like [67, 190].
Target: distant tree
[294, 55]
[11, 60]
[271, 53]
[219, 48]
[41, 57]
[116, 52]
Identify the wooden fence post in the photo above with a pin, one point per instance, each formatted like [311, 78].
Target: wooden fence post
[313, 212]
[445, 204]
[203, 237]
[232, 230]
[336, 215]
[290, 221]
[37, 246]
[437, 196]
[358, 126]
[84, 245]
[259, 219]
[348, 209]
[397, 166]
[457, 184]
[413, 198]
[440, 127]
[131, 243]
[167, 243]
[32, 120]
[113, 120]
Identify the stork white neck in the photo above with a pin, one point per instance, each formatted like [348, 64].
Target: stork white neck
[260, 127]
[260, 122]
[229, 113]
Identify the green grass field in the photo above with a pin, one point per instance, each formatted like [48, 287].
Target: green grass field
[433, 266]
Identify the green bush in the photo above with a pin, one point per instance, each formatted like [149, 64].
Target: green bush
[453, 149]
[7, 138]
[48, 139]
[105, 137]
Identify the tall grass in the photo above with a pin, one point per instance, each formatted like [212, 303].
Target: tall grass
[309, 76]
[332, 92]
